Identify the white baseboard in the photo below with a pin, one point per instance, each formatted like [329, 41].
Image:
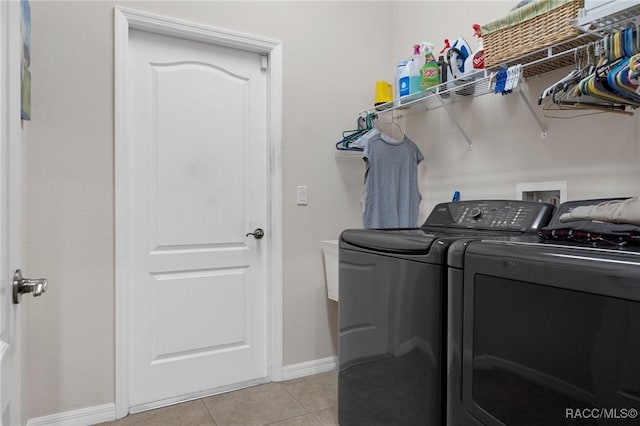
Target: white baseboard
[308, 368]
[107, 412]
[83, 417]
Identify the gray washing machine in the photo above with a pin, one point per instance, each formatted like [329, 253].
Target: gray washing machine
[392, 315]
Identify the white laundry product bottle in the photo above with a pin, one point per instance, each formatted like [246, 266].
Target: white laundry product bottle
[401, 81]
[417, 61]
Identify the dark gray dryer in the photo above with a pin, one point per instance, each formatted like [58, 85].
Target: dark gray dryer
[544, 332]
[392, 316]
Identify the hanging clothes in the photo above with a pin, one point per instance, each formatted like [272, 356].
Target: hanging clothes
[391, 196]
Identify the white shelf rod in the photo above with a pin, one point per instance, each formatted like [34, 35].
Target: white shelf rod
[457, 123]
[543, 128]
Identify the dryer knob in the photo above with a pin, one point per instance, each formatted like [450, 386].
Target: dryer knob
[476, 213]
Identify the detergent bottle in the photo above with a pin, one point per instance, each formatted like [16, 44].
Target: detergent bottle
[475, 62]
[401, 81]
[430, 71]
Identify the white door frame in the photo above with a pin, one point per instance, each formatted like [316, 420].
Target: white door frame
[126, 19]
[11, 164]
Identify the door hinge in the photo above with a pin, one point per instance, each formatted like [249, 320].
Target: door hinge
[264, 61]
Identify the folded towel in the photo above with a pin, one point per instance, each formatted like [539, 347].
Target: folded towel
[616, 211]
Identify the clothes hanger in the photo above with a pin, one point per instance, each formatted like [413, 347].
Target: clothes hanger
[634, 61]
[617, 79]
[634, 69]
[583, 69]
[597, 85]
[573, 75]
[637, 34]
[365, 124]
[394, 122]
[603, 88]
[608, 81]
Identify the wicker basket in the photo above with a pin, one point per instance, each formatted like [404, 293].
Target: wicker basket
[547, 29]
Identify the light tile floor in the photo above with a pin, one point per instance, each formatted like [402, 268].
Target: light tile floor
[308, 401]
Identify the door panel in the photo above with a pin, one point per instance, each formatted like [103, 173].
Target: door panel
[198, 288]
[189, 332]
[190, 137]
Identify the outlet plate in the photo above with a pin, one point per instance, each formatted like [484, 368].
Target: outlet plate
[546, 192]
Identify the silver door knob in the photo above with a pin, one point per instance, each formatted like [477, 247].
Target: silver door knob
[23, 285]
[257, 234]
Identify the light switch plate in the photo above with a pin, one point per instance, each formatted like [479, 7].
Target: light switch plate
[301, 195]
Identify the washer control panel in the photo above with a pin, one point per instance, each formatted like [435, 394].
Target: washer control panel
[508, 215]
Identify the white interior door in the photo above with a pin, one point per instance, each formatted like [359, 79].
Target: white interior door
[10, 200]
[198, 178]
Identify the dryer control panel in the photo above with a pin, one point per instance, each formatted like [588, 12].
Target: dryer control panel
[496, 215]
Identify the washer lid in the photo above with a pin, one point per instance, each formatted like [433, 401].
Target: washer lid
[404, 241]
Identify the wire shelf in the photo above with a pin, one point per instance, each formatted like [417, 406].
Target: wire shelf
[609, 17]
[437, 96]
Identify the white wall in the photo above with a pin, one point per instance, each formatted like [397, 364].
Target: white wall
[333, 54]
[68, 208]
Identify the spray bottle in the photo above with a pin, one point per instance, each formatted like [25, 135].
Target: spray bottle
[447, 46]
[442, 64]
[414, 69]
[475, 62]
[430, 71]
[444, 68]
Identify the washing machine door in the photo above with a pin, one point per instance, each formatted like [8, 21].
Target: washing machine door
[550, 334]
